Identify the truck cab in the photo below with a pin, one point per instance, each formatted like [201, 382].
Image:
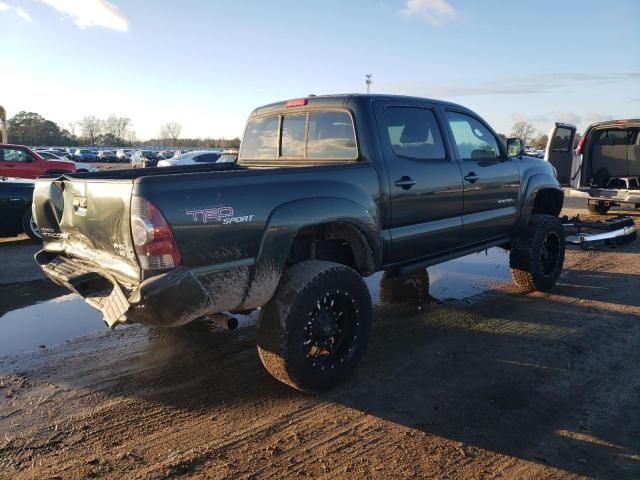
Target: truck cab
[22, 162]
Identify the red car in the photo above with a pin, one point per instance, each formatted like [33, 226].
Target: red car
[21, 161]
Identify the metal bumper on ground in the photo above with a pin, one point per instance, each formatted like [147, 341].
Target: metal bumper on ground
[166, 300]
[613, 232]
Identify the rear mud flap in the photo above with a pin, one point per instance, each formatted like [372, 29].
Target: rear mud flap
[612, 232]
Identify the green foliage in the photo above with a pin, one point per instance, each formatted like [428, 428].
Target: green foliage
[29, 128]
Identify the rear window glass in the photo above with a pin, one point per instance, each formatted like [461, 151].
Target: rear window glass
[614, 137]
[331, 135]
[561, 142]
[261, 138]
[414, 133]
[293, 135]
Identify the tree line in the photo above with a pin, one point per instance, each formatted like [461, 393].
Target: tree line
[30, 128]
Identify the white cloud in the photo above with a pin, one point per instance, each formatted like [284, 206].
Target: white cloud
[19, 11]
[435, 12]
[91, 13]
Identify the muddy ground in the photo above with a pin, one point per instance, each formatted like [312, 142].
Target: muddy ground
[491, 386]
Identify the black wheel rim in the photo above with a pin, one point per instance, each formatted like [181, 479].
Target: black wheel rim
[331, 330]
[550, 254]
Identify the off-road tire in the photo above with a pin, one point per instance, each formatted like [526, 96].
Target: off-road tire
[285, 323]
[598, 208]
[537, 254]
[29, 228]
[411, 288]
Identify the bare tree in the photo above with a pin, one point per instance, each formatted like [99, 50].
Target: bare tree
[170, 132]
[117, 128]
[524, 131]
[91, 128]
[130, 136]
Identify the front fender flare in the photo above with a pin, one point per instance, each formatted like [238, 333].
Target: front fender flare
[536, 184]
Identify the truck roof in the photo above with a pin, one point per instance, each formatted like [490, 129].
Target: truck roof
[343, 99]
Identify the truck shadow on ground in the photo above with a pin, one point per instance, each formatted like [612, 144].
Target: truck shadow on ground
[534, 377]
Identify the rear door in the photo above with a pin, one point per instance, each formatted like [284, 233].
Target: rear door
[425, 183]
[491, 180]
[559, 153]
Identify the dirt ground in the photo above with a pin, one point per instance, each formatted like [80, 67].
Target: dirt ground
[495, 386]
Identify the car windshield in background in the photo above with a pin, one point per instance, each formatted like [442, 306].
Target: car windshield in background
[207, 158]
[329, 136]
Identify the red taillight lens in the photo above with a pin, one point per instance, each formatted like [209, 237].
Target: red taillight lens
[580, 144]
[298, 102]
[152, 238]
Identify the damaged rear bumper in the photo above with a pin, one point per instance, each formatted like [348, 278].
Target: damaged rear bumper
[167, 300]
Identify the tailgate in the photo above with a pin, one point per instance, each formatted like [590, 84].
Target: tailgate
[90, 220]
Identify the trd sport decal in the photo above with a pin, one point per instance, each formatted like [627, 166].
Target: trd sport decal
[223, 215]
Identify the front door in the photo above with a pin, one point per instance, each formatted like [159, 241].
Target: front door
[559, 153]
[491, 180]
[425, 184]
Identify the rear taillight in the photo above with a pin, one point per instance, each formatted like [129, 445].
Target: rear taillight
[152, 238]
[580, 144]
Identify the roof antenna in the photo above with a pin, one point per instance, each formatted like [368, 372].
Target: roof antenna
[368, 82]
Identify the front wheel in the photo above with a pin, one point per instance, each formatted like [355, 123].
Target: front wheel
[315, 329]
[30, 227]
[537, 254]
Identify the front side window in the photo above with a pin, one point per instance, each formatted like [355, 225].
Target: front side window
[472, 139]
[331, 135]
[261, 138]
[413, 133]
[13, 155]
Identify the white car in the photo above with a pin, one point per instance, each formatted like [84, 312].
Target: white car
[80, 167]
[192, 158]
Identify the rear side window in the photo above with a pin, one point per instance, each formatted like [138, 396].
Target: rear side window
[561, 142]
[331, 135]
[414, 133]
[261, 138]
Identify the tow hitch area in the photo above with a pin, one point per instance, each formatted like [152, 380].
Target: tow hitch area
[612, 232]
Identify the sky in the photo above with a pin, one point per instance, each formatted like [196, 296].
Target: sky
[207, 64]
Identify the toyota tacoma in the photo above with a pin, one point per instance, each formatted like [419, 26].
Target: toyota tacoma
[326, 190]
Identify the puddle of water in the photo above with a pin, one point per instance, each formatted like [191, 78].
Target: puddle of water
[462, 277]
[54, 321]
[48, 323]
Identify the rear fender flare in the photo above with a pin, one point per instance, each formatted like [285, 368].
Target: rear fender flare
[288, 219]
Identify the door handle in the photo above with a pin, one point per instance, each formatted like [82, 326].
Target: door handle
[471, 177]
[405, 182]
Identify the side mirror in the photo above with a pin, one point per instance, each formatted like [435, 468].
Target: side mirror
[28, 158]
[515, 147]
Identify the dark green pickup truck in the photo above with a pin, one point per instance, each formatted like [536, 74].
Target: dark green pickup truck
[326, 190]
